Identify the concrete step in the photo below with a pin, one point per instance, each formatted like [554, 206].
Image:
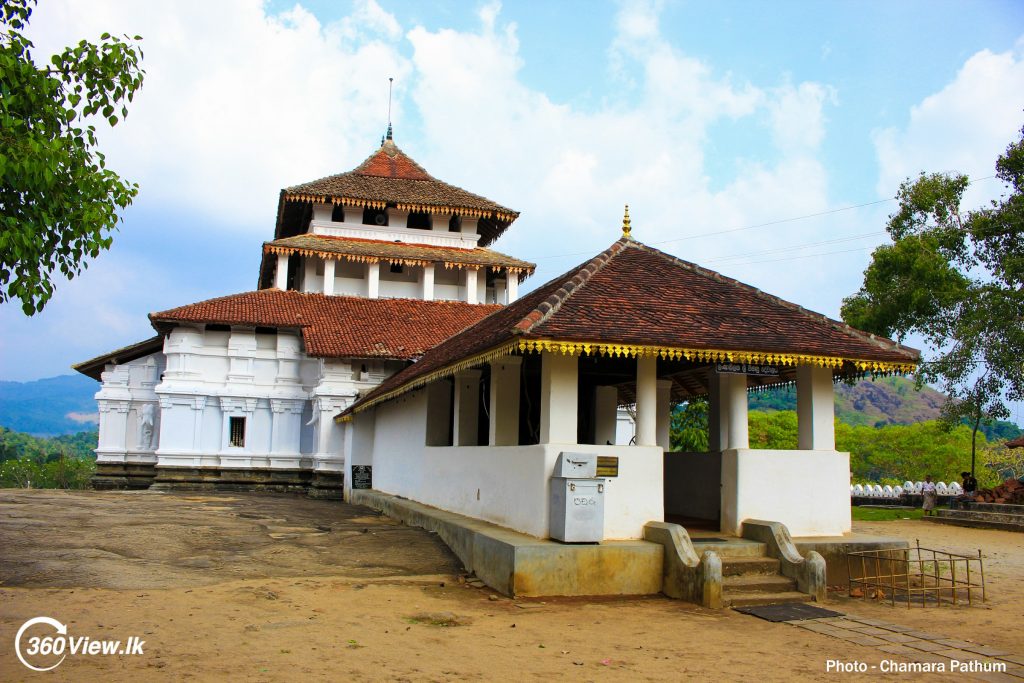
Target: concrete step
[996, 507]
[1005, 517]
[757, 583]
[733, 547]
[738, 566]
[977, 520]
[748, 599]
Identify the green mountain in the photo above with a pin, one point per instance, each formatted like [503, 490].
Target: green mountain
[879, 402]
[51, 406]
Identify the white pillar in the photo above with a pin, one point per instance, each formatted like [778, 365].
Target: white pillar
[664, 413]
[467, 408]
[329, 277]
[718, 414]
[815, 409]
[470, 275]
[439, 221]
[504, 405]
[397, 219]
[428, 282]
[281, 276]
[481, 286]
[372, 280]
[734, 401]
[646, 401]
[559, 397]
[513, 287]
[606, 414]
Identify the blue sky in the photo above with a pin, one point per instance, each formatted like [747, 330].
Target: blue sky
[708, 118]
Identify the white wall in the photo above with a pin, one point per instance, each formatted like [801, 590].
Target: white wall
[125, 391]
[506, 485]
[808, 491]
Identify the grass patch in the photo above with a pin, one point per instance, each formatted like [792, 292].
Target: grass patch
[862, 514]
[442, 619]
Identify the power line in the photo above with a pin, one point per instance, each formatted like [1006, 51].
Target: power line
[796, 247]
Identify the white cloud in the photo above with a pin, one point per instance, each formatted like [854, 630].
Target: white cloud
[237, 103]
[964, 127]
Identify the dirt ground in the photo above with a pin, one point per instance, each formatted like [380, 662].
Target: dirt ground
[258, 587]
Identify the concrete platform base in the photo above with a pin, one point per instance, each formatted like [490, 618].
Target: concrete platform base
[118, 476]
[834, 549]
[226, 479]
[515, 564]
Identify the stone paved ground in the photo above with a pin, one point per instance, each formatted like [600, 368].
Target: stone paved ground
[917, 646]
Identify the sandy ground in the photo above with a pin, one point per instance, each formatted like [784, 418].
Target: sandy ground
[265, 588]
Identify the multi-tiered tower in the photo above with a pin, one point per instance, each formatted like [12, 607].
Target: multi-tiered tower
[367, 270]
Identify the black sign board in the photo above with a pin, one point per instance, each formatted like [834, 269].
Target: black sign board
[747, 369]
[362, 476]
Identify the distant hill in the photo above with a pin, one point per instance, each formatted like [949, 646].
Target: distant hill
[879, 402]
[51, 406]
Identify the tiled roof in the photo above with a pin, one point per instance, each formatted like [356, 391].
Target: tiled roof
[94, 366]
[409, 254]
[390, 177]
[632, 295]
[338, 326]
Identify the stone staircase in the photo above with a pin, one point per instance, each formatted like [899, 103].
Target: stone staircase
[983, 515]
[749, 576]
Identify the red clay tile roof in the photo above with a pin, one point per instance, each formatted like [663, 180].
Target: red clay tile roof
[636, 295]
[397, 252]
[390, 177]
[338, 326]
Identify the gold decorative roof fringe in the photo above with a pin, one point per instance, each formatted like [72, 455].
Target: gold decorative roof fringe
[707, 355]
[402, 206]
[358, 258]
[576, 348]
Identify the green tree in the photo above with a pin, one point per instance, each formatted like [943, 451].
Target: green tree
[688, 429]
[956, 278]
[58, 200]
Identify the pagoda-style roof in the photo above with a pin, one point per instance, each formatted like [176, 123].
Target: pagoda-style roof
[635, 300]
[94, 366]
[399, 253]
[337, 326]
[389, 177]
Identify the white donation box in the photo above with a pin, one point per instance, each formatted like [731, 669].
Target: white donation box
[577, 499]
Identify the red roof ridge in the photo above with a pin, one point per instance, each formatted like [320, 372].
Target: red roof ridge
[386, 163]
[880, 342]
[550, 306]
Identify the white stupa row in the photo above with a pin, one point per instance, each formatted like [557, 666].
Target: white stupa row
[877, 491]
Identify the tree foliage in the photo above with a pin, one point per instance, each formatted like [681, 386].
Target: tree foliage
[956, 278]
[58, 462]
[58, 200]
[688, 428]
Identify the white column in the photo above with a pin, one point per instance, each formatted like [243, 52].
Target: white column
[664, 410]
[734, 402]
[504, 405]
[397, 219]
[329, 277]
[467, 408]
[372, 280]
[646, 401]
[470, 276]
[439, 221]
[428, 282]
[513, 287]
[559, 397]
[281, 276]
[606, 415]
[481, 286]
[815, 409]
[499, 292]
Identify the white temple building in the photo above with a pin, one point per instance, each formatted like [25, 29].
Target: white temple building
[388, 348]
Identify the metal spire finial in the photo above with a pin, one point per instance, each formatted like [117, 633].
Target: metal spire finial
[626, 229]
[391, 81]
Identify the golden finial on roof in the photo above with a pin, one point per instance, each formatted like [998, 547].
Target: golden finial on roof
[626, 230]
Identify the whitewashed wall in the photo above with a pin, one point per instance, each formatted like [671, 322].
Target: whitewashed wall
[808, 491]
[126, 394]
[506, 485]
